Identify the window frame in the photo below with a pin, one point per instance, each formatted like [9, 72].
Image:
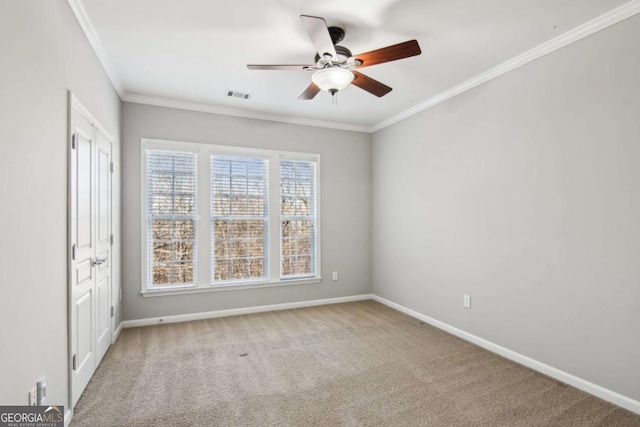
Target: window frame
[204, 260]
[314, 219]
[266, 219]
[149, 265]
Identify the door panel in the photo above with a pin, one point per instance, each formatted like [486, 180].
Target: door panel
[104, 208]
[84, 184]
[104, 309]
[84, 354]
[83, 272]
[85, 329]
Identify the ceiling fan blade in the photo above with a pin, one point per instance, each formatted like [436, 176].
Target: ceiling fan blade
[319, 34]
[389, 53]
[310, 92]
[280, 67]
[370, 85]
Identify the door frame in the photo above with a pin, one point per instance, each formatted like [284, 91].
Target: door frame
[73, 103]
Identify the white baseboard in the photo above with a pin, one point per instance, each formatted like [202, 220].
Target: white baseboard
[567, 378]
[68, 415]
[238, 311]
[117, 333]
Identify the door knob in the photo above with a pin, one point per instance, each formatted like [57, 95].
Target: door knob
[98, 261]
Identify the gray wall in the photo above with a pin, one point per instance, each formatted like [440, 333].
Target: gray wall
[525, 194]
[43, 53]
[345, 204]
[522, 193]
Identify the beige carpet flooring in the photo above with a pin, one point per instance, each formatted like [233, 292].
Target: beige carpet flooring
[353, 364]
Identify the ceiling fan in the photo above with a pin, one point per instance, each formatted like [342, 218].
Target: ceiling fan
[335, 66]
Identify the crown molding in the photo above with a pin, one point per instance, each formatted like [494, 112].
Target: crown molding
[236, 112]
[105, 60]
[603, 21]
[606, 20]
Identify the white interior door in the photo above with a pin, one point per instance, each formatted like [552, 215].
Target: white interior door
[90, 254]
[103, 246]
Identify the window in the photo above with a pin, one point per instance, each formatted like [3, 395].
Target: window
[171, 218]
[297, 216]
[218, 217]
[239, 206]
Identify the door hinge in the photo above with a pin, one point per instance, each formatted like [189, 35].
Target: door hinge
[113, 311]
[74, 362]
[111, 167]
[73, 252]
[111, 240]
[73, 141]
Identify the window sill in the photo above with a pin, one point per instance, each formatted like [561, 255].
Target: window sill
[230, 287]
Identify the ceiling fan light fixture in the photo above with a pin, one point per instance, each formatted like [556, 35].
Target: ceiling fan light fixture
[332, 79]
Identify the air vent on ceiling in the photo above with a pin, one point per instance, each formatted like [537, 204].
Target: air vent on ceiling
[236, 94]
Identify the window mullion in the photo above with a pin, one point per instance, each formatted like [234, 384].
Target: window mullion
[203, 221]
[274, 238]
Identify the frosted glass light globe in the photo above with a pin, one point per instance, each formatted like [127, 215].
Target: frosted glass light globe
[332, 79]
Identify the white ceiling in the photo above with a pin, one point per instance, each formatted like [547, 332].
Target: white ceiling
[196, 50]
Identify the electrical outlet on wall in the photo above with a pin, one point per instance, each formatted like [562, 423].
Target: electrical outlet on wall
[467, 301]
[33, 396]
[41, 388]
[334, 276]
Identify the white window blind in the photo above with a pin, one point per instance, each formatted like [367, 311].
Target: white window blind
[298, 218]
[171, 218]
[239, 218]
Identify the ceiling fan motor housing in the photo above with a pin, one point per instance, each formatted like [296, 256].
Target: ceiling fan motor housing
[343, 55]
[337, 35]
